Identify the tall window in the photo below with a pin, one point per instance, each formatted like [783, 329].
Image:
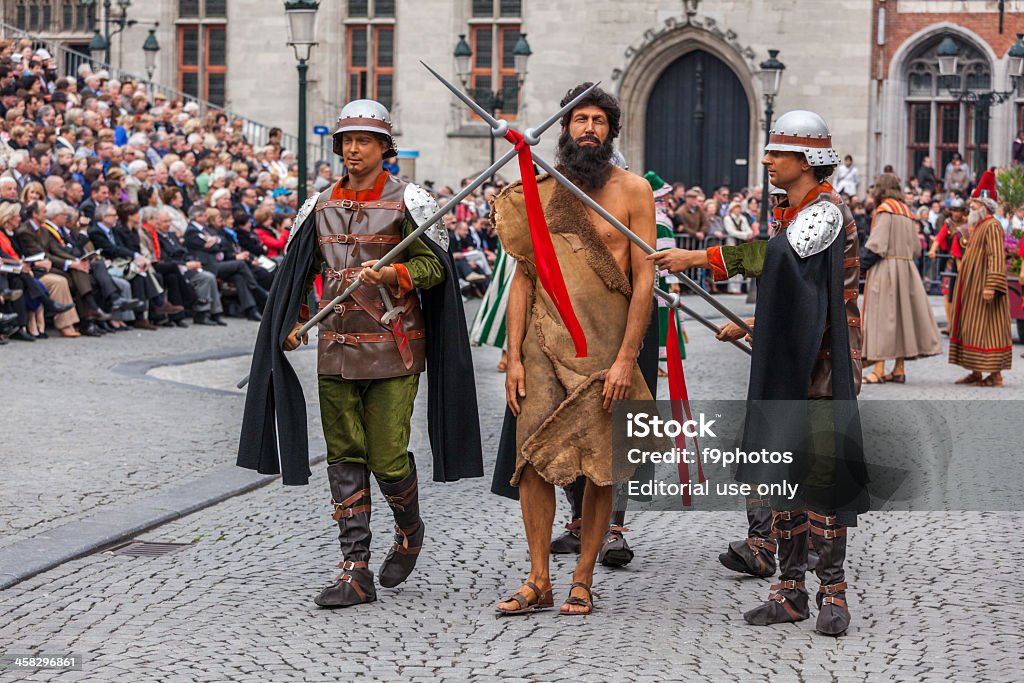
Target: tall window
[33, 15]
[939, 125]
[370, 50]
[494, 31]
[202, 49]
[76, 17]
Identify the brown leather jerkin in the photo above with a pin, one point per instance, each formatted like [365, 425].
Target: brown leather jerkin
[351, 232]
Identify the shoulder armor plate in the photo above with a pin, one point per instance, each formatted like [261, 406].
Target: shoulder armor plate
[300, 217]
[815, 228]
[422, 206]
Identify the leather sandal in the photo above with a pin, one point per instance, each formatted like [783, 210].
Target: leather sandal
[973, 378]
[587, 602]
[894, 378]
[994, 380]
[872, 378]
[540, 600]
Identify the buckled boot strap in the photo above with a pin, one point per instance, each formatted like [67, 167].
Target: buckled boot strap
[830, 590]
[770, 546]
[789, 585]
[347, 578]
[787, 534]
[399, 500]
[404, 548]
[790, 610]
[344, 509]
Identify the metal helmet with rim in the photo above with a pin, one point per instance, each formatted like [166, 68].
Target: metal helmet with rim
[365, 115]
[806, 133]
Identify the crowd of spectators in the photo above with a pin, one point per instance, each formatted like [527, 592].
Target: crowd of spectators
[121, 209]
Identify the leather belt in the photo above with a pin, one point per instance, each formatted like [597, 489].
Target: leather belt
[850, 294]
[360, 239]
[826, 354]
[847, 262]
[353, 205]
[853, 322]
[405, 302]
[357, 338]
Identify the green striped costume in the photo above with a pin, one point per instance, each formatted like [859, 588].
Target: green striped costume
[667, 240]
[489, 324]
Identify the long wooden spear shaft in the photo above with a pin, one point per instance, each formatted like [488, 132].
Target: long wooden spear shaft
[530, 136]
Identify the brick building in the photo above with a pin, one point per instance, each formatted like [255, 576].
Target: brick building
[685, 71]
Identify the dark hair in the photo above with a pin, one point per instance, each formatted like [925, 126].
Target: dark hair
[887, 186]
[823, 173]
[597, 98]
[848, 158]
[125, 210]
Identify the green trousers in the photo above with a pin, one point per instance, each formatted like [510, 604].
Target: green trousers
[368, 422]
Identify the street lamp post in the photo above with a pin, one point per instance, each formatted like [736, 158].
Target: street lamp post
[101, 43]
[302, 37]
[983, 100]
[771, 79]
[492, 101]
[150, 47]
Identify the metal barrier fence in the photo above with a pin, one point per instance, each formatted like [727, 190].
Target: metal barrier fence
[68, 62]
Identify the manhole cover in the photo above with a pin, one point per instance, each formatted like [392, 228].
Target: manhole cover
[146, 548]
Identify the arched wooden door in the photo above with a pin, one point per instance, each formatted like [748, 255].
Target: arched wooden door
[698, 124]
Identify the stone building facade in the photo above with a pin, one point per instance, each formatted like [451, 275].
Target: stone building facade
[684, 70]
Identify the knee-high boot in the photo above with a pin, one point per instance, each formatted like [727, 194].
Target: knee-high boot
[350, 491]
[788, 599]
[569, 541]
[754, 555]
[830, 538]
[403, 498]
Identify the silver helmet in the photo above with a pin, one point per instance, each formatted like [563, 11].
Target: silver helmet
[806, 133]
[366, 115]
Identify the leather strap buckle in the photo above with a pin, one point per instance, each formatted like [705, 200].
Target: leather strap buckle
[833, 588]
[788, 584]
[349, 565]
[348, 204]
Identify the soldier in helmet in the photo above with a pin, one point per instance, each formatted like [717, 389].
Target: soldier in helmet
[804, 376]
[405, 318]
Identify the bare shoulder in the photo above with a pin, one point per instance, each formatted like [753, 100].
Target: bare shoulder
[631, 182]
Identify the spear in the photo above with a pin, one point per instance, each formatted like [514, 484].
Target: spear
[531, 138]
[498, 128]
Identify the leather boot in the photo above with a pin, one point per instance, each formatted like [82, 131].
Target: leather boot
[569, 541]
[833, 612]
[404, 499]
[812, 553]
[788, 599]
[615, 552]
[756, 554]
[350, 496]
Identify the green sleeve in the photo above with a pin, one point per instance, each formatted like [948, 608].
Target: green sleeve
[425, 269]
[745, 259]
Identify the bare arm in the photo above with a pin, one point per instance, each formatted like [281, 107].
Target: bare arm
[619, 379]
[516, 317]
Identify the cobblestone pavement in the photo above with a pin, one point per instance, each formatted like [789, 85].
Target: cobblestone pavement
[930, 591]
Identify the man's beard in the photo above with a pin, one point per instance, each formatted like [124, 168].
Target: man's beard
[975, 217]
[589, 167]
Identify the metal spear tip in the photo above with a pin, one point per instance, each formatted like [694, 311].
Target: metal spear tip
[469, 101]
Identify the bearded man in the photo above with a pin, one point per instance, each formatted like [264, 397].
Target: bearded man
[979, 334]
[562, 404]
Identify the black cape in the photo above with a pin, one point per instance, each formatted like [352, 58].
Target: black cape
[795, 298]
[275, 407]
